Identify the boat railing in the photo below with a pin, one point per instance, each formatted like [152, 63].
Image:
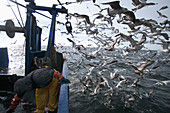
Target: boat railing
[63, 105]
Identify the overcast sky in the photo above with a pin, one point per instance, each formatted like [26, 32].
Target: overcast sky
[83, 8]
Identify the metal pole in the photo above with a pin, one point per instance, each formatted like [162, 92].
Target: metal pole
[52, 31]
[28, 41]
[15, 29]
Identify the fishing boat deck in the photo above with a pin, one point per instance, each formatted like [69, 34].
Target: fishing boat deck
[27, 105]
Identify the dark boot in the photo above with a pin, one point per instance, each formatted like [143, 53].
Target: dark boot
[52, 112]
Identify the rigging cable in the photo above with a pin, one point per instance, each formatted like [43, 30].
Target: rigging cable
[20, 14]
[59, 2]
[67, 3]
[30, 9]
[14, 14]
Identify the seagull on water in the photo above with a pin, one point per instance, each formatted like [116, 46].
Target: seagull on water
[163, 83]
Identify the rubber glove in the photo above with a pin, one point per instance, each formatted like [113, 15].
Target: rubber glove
[10, 111]
[64, 80]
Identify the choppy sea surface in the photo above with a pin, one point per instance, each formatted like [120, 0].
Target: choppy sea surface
[150, 95]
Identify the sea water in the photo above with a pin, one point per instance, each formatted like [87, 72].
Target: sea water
[83, 102]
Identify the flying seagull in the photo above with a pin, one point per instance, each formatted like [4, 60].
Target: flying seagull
[165, 44]
[81, 16]
[101, 10]
[139, 69]
[85, 0]
[74, 45]
[112, 46]
[165, 23]
[132, 41]
[140, 4]
[117, 9]
[164, 7]
[159, 63]
[156, 33]
[161, 15]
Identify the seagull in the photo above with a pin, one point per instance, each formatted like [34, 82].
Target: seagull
[121, 80]
[165, 44]
[45, 38]
[135, 46]
[117, 9]
[96, 52]
[103, 18]
[74, 45]
[148, 23]
[164, 7]
[112, 46]
[139, 69]
[136, 80]
[96, 90]
[119, 83]
[100, 16]
[101, 10]
[156, 33]
[87, 56]
[163, 83]
[131, 99]
[129, 16]
[107, 63]
[14, 42]
[46, 26]
[85, 0]
[161, 15]
[165, 23]
[108, 82]
[114, 75]
[160, 62]
[82, 16]
[140, 4]
[90, 71]
[83, 86]
[115, 5]
[143, 39]
[132, 41]
[148, 94]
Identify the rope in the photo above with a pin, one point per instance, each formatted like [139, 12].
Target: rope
[14, 14]
[66, 3]
[30, 9]
[20, 14]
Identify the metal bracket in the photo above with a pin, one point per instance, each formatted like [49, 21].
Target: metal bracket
[11, 29]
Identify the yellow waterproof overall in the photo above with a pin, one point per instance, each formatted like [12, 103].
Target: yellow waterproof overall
[50, 94]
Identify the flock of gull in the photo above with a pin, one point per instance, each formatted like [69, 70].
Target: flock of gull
[96, 67]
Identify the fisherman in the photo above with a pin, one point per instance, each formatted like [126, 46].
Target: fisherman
[46, 82]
